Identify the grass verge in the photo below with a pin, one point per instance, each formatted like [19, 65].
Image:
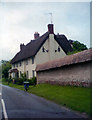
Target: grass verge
[75, 98]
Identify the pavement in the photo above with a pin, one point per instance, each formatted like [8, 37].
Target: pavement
[20, 104]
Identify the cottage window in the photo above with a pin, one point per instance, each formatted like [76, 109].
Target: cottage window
[33, 73]
[20, 73]
[32, 60]
[58, 49]
[27, 74]
[16, 64]
[26, 62]
[13, 75]
[20, 64]
[43, 49]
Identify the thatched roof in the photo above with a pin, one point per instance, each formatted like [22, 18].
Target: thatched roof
[33, 47]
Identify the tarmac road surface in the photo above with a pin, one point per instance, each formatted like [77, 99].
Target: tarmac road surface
[20, 104]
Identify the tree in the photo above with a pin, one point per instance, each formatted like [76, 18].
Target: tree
[77, 47]
[5, 68]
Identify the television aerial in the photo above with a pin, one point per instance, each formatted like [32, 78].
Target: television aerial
[51, 17]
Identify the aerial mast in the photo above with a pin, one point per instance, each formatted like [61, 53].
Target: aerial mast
[51, 17]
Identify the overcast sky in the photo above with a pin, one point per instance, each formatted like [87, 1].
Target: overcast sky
[19, 21]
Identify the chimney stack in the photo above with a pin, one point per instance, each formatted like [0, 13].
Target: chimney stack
[50, 28]
[36, 35]
[22, 46]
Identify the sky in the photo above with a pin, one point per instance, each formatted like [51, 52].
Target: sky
[20, 20]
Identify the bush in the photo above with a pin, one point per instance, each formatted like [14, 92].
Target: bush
[23, 77]
[19, 81]
[32, 81]
[9, 80]
[4, 80]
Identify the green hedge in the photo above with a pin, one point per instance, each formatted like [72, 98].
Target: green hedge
[20, 81]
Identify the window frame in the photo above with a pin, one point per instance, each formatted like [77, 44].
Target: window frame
[16, 64]
[33, 73]
[32, 60]
[20, 64]
[20, 73]
[27, 74]
[26, 62]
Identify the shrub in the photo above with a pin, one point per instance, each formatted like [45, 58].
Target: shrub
[4, 80]
[32, 81]
[23, 77]
[19, 81]
[9, 80]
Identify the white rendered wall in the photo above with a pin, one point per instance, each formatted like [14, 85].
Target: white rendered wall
[51, 45]
[41, 57]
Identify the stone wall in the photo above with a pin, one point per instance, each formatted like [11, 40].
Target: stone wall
[77, 74]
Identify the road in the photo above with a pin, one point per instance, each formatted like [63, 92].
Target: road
[20, 104]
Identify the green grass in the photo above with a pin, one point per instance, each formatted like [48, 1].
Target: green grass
[21, 87]
[75, 98]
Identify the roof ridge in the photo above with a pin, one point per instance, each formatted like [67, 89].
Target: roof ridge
[30, 49]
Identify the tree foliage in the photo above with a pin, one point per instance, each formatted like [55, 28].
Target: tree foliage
[77, 47]
[5, 68]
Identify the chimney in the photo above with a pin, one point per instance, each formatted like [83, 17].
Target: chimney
[50, 28]
[36, 35]
[21, 46]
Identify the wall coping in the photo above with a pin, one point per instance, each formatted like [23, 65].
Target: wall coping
[80, 57]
